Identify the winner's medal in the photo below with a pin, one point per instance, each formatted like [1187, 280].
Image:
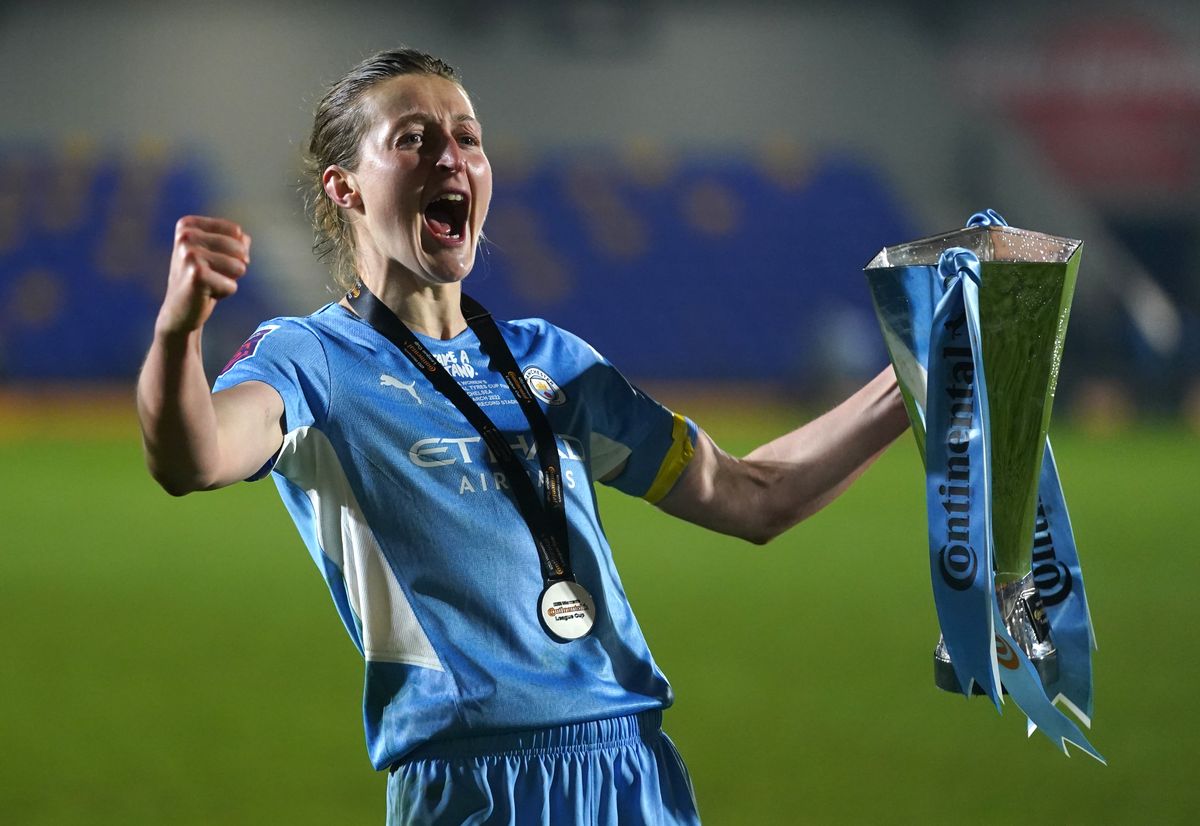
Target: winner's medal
[565, 609]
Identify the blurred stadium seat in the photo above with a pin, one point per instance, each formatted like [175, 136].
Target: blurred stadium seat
[85, 238]
[678, 269]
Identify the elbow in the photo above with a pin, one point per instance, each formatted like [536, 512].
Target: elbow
[176, 483]
[761, 534]
[773, 522]
[175, 486]
[759, 539]
[179, 475]
[766, 515]
[763, 530]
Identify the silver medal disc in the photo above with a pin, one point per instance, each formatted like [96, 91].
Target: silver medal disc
[567, 611]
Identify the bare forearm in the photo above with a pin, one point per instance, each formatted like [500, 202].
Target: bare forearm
[194, 440]
[175, 408]
[790, 478]
[808, 468]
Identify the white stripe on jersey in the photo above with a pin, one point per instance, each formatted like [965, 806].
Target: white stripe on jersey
[607, 454]
[390, 630]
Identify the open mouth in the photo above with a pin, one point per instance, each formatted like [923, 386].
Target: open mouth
[446, 216]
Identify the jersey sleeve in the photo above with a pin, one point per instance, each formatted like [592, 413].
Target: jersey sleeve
[631, 431]
[289, 357]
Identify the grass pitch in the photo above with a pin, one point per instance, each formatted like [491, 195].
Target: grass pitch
[178, 661]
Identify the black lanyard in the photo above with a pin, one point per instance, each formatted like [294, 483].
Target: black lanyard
[547, 521]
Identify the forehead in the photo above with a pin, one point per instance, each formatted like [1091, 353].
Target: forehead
[430, 94]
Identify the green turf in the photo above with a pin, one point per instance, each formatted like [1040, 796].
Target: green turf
[178, 661]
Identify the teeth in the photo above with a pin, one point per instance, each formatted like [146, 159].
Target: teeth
[451, 196]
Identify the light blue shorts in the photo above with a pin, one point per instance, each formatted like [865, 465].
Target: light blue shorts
[620, 771]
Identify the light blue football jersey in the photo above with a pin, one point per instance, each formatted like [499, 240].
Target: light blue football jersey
[414, 527]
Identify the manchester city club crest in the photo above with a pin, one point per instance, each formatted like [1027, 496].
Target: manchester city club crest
[543, 386]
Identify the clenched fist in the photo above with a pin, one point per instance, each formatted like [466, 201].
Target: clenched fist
[210, 256]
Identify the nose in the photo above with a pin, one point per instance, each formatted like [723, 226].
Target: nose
[451, 157]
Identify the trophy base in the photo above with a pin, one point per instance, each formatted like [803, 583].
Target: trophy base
[1025, 619]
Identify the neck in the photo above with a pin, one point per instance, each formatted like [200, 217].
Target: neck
[430, 309]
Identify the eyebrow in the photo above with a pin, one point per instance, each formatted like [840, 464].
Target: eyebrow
[421, 115]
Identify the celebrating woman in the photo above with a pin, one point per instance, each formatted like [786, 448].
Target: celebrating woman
[439, 464]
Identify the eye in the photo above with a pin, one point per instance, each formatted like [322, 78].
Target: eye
[468, 140]
[409, 139]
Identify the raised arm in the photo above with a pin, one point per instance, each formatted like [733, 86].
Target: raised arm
[788, 479]
[194, 440]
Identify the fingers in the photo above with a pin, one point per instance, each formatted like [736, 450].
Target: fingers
[215, 234]
[213, 244]
[223, 244]
[219, 226]
[219, 255]
[211, 274]
[210, 256]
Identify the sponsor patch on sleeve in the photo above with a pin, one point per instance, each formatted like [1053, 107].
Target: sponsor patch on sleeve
[250, 346]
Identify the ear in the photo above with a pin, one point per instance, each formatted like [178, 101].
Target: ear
[341, 188]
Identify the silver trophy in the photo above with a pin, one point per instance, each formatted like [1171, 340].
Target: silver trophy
[1025, 284]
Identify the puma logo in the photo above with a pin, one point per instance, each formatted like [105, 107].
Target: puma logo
[391, 381]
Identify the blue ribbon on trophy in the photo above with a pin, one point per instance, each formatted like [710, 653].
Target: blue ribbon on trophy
[1059, 581]
[958, 476]
[1016, 620]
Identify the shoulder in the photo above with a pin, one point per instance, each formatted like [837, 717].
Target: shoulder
[555, 361]
[324, 322]
[310, 324]
[329, 322]
[538, 332]
[284, 338]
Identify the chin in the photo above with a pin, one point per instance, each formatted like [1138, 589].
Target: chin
[447, 269]
[440, 274]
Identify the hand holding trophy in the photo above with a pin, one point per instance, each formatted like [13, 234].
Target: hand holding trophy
[974, 321]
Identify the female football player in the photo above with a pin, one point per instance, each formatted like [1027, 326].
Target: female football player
[439, 464]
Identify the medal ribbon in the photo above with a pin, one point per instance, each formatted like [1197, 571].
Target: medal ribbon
[546, 519]
[958, 488]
